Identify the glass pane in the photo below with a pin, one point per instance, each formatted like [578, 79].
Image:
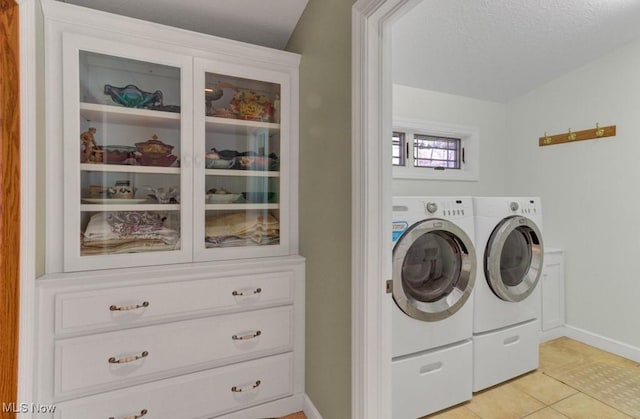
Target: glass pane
[242, 159]
[130, 155]
[117, 232]
[432, 267]
[432, 151]
[398, 149]
[515, 260]
[116, 81]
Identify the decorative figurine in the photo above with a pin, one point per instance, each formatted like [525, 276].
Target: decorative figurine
[132, 97]
[89, 144]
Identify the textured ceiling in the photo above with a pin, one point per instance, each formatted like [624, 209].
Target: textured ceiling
[500, 49]
[261, 22]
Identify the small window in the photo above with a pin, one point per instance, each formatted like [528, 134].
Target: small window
[436, 152]
[429, 150]
[399, 147]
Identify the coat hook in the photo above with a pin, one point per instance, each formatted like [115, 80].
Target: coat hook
[599, 131]
[571, 135]
[547, 139]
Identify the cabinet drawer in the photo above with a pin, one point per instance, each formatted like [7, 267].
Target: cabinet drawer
[504, 354]
[201, 395]
[105, 361]
[109, 308]
[432, 381]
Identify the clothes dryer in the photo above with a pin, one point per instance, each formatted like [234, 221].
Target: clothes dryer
[434, 270]
[507, 295]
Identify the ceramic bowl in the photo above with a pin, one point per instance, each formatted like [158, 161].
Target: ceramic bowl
[218, 163]
[222, 198]
[115, 154]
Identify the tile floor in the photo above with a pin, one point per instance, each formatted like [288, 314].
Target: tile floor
[538, 396]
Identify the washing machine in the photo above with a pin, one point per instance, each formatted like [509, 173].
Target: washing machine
[434, 271]
[508, 233]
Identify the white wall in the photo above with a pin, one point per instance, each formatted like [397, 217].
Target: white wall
[488, 117]
[590, 189]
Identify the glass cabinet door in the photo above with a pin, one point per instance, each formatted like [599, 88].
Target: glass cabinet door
[126, 164]
[242, 195]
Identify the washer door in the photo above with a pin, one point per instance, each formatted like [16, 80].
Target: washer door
[434, 270]
[513, 258]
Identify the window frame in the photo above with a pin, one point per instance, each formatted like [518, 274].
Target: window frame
[402, 148]
[469, 148]
[419, 137]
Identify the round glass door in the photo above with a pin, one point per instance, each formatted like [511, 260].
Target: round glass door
[513, 258]
[434, 269]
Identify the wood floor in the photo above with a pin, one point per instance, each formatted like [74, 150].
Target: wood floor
[298, 415]
[538, 395]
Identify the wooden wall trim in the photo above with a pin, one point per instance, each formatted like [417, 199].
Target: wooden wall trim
[9, 200]
[8, 5]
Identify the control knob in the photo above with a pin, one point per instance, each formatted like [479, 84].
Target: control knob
[432, 207]
[514, 206]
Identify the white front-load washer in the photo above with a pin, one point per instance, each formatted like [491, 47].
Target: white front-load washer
[434, 270]
[506, 296]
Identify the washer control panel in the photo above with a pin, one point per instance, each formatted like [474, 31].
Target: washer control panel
[524, 206]
[449, 209]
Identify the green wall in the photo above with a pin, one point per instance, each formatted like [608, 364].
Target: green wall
[323, 37]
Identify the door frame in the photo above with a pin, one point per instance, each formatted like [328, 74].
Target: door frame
[9, 199]
[29, 129]
[371, 205]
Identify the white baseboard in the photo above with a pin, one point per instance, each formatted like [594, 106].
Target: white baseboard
[556, 332]
[309, 409]
[604, 343]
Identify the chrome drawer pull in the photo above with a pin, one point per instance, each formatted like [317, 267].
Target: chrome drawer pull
[143, 412]
[240, 293]
[127, 359]
[129, 308]
[236, 389]
[247, 336]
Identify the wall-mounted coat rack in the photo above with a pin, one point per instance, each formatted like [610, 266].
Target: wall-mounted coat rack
[569, 136]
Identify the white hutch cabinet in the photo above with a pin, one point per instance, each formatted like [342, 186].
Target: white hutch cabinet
[173, 285]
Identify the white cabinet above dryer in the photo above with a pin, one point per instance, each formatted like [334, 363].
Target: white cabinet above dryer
[553, 292]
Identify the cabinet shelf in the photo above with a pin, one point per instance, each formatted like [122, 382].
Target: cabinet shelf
[242, 207]
[97, 113]
[240, 126]
[128, 207]
[123, 168]
[245, 173]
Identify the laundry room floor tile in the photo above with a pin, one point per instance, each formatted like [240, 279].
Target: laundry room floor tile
[505, 401]
[546, 413]
[457, 412]
[584, 407]
[552, 392]
[558, 354]
[543, 388]
[564, 351]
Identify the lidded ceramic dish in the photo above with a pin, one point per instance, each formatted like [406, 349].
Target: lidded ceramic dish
[154, 148]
